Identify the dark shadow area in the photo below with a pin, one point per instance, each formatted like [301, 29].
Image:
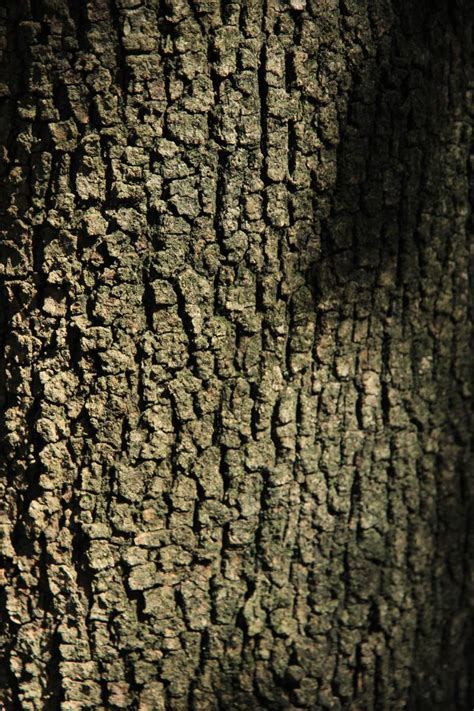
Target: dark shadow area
[399, 222]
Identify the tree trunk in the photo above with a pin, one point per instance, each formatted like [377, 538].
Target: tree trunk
[235, 366]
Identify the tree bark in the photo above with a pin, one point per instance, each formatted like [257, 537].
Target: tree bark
[235, 365]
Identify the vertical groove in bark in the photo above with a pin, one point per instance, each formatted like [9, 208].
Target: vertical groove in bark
[235, 355]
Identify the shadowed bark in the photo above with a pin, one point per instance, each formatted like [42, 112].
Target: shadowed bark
[235, 372]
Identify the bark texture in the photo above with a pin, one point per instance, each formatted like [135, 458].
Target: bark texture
[235, 365]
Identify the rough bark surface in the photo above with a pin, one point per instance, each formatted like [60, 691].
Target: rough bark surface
[235, 373]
